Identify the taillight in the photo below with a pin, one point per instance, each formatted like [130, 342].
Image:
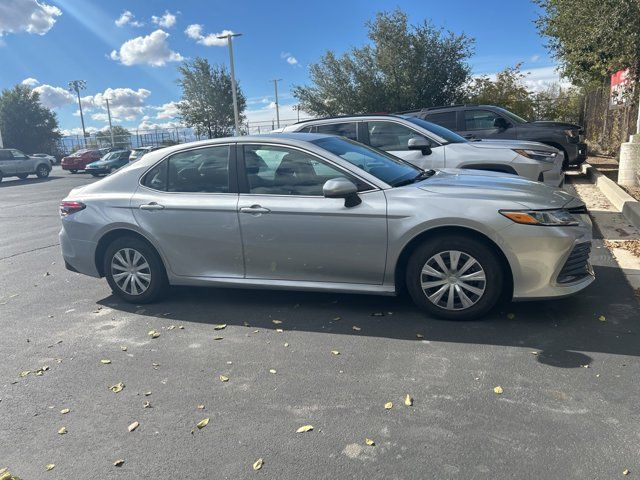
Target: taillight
[69, 207]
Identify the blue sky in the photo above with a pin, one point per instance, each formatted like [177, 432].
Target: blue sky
[129, 50]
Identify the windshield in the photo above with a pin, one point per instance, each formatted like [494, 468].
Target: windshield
[110, 156]
[444, 133]
[512, 116]
[383, 166]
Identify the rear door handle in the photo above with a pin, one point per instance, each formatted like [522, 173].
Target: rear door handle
[151, 206]
[254, 210]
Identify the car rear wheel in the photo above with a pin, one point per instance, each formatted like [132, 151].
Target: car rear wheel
[22, 176]
[42, 171]
[455, 278]
[73, 170]
[134, 270]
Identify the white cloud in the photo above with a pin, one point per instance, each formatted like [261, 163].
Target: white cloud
[128, 18]
[146, 125]
[30, 82]
[54, 97]
[167, 110]
[167, 20]
[152, 50]
[264, 117]
[78, 131]
[194, 32]
[535, 58]
[126, 104]
[32, 16]
[539, 78]
[291, 60]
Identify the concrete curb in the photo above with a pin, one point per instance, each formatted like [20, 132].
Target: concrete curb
[629, 206]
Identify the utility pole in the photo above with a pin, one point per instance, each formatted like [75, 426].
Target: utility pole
[236, 115]
[275, 86]
[76, 86]
[1, 144]
[110, 126]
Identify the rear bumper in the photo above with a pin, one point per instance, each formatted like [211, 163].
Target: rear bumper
[79, 255]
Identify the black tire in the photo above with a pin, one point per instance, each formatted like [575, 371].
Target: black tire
[22, 176]
[73, 170]
[95, 174]
[158, 284]
[487, 260]
[42, 171]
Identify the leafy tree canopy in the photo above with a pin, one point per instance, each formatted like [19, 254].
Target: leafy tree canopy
[207, 98]
[404, 67]
[121, 137]
[25, 124]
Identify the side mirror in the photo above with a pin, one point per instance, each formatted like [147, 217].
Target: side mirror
[500, 123]
[419, 143]
[342, 188]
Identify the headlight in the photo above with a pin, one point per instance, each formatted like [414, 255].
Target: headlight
[549, 218]
[537, 155]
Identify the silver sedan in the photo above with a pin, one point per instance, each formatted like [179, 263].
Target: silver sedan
[320, 212]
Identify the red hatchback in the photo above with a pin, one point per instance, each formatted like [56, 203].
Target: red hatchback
[80, 160]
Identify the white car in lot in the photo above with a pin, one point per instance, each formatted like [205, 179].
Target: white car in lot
[14, 163]
[428, 145]
[51, 158]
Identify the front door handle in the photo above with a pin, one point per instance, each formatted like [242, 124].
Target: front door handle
[254, 210]
[151, 206]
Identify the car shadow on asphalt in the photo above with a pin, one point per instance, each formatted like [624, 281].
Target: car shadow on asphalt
[603, 318]
[16, 182]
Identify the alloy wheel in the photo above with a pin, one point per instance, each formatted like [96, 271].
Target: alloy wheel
[130, 271]
[453, 280]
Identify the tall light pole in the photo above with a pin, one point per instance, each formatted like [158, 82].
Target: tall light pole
[110, 126]
[236, 115]
[76, 86]
[275, 86]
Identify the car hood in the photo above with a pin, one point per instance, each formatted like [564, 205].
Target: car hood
[485, 185]
[558, 125]
[513, 144]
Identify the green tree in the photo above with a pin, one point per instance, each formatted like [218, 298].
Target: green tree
[592, 38]
[507, 90]
[557, 103]
[207, 98]
[121, 137]
[25, 124]
[404, 67]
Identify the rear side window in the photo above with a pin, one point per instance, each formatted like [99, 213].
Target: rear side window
[306, 130]
[444, 119]
[156, 178]
[204, 170]
[479, 119]
[5, 155]
[343, 129]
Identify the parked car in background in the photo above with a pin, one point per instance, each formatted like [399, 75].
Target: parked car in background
[491, 122]
[139, 152]
[53, 160]
[79, 160]
[320, 212]
[428, 145]
[110, 162]
[14, 163]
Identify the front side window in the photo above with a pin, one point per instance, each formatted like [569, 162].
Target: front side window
[5, 155]
[203, 170]
[18, 155]
[479, 119]
[390, 136]
[273, 170]
[347, 129]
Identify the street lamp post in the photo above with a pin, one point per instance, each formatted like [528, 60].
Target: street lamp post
[76, 86]
[236, 114]
[275, 86]
[110, 126]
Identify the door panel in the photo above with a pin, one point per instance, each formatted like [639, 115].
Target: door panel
[7, 163]
[315, 238]
[22, 163]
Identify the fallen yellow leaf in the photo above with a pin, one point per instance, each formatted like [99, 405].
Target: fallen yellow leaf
[200, 407]
[511, 316]
[221, 326]
[356, 328]
[202, 423]
[146, 394]
[602, 318]
[388, 405]
[279, 330]
[272, 370]
[105, 362]
[498, 390]
[62, 430]
[171, 327]
[124, 349]
[24, 373]
[133, 426]
[419, 335]
[146, 404]
[276, 322]
[218, 338]
[50, 466]
[118, 463]
[408, 401]
[369, 442]
[224, 378]
[625, 471]
[286, 344]
[304, 428]
[117, 387]
[154, 334]
[335, 352]
[257, 465]
[65, 410]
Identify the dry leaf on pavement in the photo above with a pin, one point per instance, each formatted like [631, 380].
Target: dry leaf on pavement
[257, 465]
[335, 352]
[224, 378]
[356, 328]
[117, 387]
[602, 318]
[105, 361]
[50, 466]
[65, 411]
[62, 430]
[276, 322]
[304, 428]
[272, 370]
[133, 426]
[118, 463]
[154, 334]
[369, 442]
[408, 401]
[202, 423]
[388, 405]
[221, 326]
[498, 390]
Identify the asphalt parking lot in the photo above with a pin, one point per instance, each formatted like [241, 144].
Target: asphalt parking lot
[568, 370]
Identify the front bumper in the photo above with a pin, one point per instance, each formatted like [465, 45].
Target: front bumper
[576, 153]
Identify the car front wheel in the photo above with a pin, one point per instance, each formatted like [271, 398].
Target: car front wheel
[455, 277]
[22, 176]
[134, 270]
[42, 171]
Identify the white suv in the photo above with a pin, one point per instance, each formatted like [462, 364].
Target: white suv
[428, 145]
[14, 163]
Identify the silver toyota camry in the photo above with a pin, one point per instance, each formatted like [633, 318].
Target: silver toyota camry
[320, 212]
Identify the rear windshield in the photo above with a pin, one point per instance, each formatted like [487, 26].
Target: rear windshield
[444, 133]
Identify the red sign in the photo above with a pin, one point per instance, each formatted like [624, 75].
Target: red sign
[620, 82]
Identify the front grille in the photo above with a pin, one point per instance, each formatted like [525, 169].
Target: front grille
[577, 265]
